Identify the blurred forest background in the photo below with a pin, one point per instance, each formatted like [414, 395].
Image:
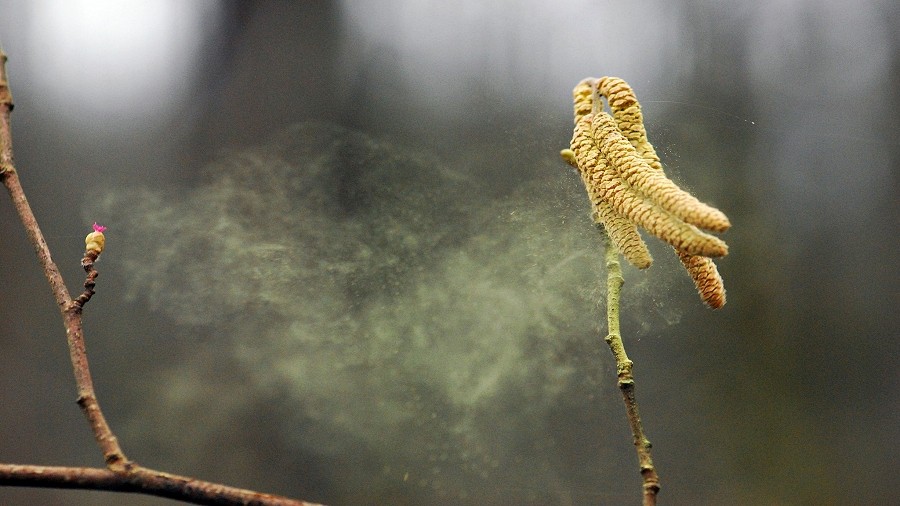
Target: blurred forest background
[345, 262]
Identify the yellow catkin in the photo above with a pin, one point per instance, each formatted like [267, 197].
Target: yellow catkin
[607, 186]
[706, 278]
[621, 231]
[628, 188]
[627, 113]
[622, 156]
[583, 97]
[624, 234]
[627, 120]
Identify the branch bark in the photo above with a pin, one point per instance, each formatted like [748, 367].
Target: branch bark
[139, 480]
[121, 474]
[614, 282]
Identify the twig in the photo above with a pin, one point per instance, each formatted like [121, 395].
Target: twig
[70, 309]
[121, 474]
[614, 282]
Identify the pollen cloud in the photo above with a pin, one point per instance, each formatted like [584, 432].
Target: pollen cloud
[380, 299]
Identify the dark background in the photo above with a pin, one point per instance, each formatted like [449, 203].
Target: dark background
[399, 301]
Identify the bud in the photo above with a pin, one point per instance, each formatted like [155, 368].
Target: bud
[95, 241]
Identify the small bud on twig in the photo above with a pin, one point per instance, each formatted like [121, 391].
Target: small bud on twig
[95, 241]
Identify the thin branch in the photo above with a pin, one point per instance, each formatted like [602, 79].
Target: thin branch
[139, 480]
[11, 180]
[71, 311]
[614, 282]
[121, 474]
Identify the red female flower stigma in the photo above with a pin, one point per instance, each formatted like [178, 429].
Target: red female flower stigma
[99, 228]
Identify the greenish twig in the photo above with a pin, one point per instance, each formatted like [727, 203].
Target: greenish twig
[614, 282]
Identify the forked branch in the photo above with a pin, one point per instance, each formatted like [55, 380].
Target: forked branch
[120, 474]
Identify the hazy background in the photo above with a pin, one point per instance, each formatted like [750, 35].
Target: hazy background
[345, 262]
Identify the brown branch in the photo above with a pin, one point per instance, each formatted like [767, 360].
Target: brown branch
[121, 474]
[11, 180]
[614, 284]
[139, 480]
[71, 310]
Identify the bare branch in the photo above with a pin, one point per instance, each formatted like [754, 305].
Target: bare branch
[121, 474]
[10, 179]
[139, 480]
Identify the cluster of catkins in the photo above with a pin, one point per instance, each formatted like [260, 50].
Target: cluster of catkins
[628, 187]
